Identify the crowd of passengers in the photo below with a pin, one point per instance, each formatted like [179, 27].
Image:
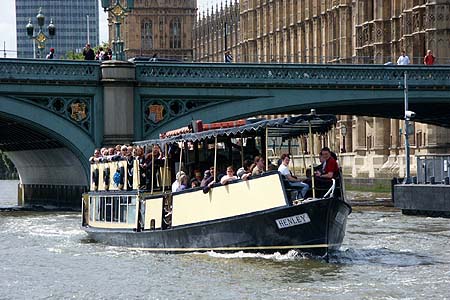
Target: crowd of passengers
[323, 173]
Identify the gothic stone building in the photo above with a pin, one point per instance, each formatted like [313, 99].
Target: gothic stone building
[161, 27]
[338, 31]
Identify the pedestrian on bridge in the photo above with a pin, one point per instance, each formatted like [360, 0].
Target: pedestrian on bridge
[50, 54]
[429, 58]
[228, 57]
[88, 53]
[403, 59]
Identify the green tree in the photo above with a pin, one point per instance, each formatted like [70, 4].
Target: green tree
[104, 45]
[72, 55]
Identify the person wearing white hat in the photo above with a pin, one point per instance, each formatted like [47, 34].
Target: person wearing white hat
[176, 183]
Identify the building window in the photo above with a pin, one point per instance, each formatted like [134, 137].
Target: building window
[419, 139]
[161, 33]
[147, 35]
[369, 143]
[175, 33]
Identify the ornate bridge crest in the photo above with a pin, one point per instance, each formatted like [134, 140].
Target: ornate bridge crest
[78, 111]
[158, 111]
[155, 113]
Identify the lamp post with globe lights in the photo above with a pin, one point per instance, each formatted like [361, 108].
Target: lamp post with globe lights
[119, 12]
[41, 38]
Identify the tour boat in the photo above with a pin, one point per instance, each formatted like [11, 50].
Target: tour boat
[261, 214]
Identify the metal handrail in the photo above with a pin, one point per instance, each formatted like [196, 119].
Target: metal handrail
[292, 74]
[331, 189]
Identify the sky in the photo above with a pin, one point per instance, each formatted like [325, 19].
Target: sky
[8, 24]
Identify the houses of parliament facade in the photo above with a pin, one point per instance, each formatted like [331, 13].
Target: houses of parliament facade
[331, 32]
[314, 31]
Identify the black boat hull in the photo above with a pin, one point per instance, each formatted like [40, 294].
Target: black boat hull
[315, 227]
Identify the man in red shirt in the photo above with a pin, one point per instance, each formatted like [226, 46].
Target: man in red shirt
[327, 171]
[429, 58]
[329, 165]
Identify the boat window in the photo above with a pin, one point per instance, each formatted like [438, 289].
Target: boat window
[123, 209]
[100, 208]
[131, 209]
[120, 209]
[108, 209]
[91, 208]
[115, 209]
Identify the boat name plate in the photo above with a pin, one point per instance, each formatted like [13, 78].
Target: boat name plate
[293, 221]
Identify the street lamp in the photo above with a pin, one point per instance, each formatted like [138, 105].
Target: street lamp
[344, 133]
[41, 37]
[408, 116]
[119, 12]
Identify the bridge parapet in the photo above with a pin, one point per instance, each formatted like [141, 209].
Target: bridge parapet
[45, 70]
[340, 76]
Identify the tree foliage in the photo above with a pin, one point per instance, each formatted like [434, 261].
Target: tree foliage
[72, 55]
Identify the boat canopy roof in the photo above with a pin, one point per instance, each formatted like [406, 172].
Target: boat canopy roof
[286, 128]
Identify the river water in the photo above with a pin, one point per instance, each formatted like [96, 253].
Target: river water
[385, 255]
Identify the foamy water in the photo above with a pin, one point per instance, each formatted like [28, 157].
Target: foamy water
[385, 255]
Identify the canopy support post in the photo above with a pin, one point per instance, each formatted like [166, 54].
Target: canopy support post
[267, 143]
[153, 170]
[292, 155]
[181, 156]
[242, 152]
[300, 139]
[215, 159]
[311, 141]
[165, 168]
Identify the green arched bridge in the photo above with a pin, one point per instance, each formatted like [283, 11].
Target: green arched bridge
[54, 113]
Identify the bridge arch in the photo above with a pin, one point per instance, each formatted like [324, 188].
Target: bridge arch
[45, 148]
[387, 103]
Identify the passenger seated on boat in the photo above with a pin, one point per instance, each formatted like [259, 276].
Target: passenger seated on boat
[208, 177]
[110, 156]
[176, 183]
[196, 179]
[118, 147]
[329, 170]
[272, 167]
[123, 152]
[96, 157]
[292, 180]
[208, 180]
[244, 172]
[139, 156]
[194, 183]
[129, 152]
[154, 157]
[182, 183]
[258, 166]
[229, 177]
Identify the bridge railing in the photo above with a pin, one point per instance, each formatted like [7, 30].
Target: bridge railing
[289, 74]
[310, 59]
[54, 70]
